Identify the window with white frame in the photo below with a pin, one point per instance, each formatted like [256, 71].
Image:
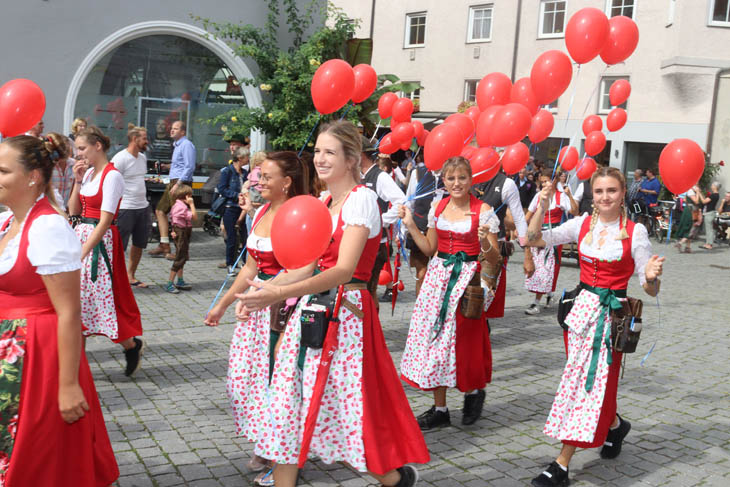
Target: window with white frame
[415, 29]
[604, 103]
[720, 12]
[414, 95]
[626, 8]
[552, 18]
[480, 23]
[470, 90]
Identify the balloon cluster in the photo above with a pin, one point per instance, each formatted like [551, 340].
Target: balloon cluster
[335, 83]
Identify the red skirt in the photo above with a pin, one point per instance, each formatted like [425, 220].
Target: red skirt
[608, 408]
[47, 450]
[391, 435]
[496, 309]
[128, 315]
[558, 258]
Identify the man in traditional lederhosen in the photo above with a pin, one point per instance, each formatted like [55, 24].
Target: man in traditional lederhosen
[501, 193]
[388, 194]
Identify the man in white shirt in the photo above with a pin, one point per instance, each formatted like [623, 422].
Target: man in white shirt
[134, 219]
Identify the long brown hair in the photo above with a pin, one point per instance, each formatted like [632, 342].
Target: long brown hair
[301, 173]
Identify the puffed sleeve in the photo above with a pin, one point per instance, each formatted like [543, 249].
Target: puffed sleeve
[533, 204]
[361, 209]
[566, 233]
[112, 191]
[63, 255]
[432, 216]
[640, 251]
[489, 218]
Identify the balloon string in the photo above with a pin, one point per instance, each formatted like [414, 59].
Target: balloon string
[347, 109]
[659, 322]
[567, 119]
[225, 281]
[309, 137]
[380, 140]
[376, 130]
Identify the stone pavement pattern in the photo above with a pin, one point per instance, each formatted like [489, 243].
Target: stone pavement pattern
[171, 424]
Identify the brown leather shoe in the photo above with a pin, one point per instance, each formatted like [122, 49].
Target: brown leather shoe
[160, 251]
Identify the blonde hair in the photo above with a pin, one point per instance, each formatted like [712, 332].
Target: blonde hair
[134, 131]
[75, 125]
[454, 163]
[608, 172]
[257, 159]
[351, 140]
[93, 134]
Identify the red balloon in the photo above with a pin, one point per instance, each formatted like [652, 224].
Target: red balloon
[619, 92]
[385, 277]
[401, 286]
[464, 124]
[591, 124]
[623, 38]
[385, 104]
[493, 89]
[484, 165]
[595, 143]
[616, 119]
[406, 144]
[522, 93]
[443, 142]
[568, 158]
[550, 76]
[401, 133]
[417, 129]
[402, 110]
[510, 125]
[541, 126]
[332, 86]
[365, 82]
[423, 138]
[586, 34]
[515, 157]
[586, 168]
[387, 145]
[301, 231]
[473, 113]
[484, 125]
[22, 105]
[468, 152]
[681, 165]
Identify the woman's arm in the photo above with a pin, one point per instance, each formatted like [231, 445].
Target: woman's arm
[352, 245]
[240, 285]
[104, 223]
[65, 294]
[573, 204]
[74, 201]
[653, 270]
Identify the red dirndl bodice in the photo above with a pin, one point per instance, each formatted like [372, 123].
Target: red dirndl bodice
[266, 262]
[601, 273]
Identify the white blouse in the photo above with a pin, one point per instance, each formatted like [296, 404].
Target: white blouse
[256, 242]
[113, 189]
[612, 249]
[564, 203]
[62, 255]
[462, 226]
[359, 209]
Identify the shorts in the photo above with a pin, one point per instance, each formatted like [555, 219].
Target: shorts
[417, 258]
[134, 223]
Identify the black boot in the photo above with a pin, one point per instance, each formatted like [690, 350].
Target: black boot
[432, 419]
[473, 404]
[553, 476]
[612, 447]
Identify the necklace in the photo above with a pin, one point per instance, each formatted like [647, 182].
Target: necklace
[337, 202]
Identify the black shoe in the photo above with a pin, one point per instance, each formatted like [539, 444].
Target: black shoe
[408, 476]
[473, 404]
[432, 419]
[133, 356]
[387, 296]
[553, 476]
[614, 440]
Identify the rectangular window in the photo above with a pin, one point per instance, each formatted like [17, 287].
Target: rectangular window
[604, 103]
[470, 90]
[626, 8]
[415, 95]
[480, 23]
[552, 18]
[416, 29]
[720, 12]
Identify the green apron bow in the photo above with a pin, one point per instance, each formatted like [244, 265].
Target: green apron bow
[457, 260]
[99, 249]
[608, 301]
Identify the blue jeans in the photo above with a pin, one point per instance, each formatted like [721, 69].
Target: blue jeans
[230, 216]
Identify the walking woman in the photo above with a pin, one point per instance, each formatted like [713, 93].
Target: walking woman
[444, 348]
[108, 306]
[542, 266]
[229, 187]
[251, 361]
[689, 221]
[611, 250]
[365, 419]
[52, 429]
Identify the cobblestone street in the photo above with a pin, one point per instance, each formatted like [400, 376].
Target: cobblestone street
[171, 424]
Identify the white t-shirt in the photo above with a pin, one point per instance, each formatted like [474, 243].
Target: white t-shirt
[112, 191]
[133, 170]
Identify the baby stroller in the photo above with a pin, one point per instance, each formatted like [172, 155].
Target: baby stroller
[722, 228]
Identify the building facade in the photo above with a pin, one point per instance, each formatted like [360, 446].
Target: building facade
[678, 73]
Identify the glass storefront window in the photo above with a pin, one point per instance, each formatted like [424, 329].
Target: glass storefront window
[153, 81]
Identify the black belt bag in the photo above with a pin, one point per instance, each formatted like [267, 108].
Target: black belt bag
[315, 319]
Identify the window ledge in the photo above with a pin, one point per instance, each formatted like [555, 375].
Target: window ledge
[414, 46]
[479, 41]
[550, 36]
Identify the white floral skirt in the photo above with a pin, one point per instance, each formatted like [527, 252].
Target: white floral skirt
[547, 266]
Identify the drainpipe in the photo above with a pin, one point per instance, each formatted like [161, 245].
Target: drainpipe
[517, 40]
[372, 18]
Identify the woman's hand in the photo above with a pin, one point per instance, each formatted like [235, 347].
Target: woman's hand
[85, 251]
[405, 214]
[529, 264]
[265, 294]
[546, 195]
[214, 316]
[483, 232]
[72, 403]
[242, 312]
[654, 267]
[79, 170]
